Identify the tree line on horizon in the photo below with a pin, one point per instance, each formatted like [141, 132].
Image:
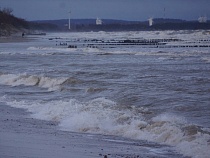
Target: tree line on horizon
[10, 24]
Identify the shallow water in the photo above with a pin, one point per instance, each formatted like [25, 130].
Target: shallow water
[155, 94]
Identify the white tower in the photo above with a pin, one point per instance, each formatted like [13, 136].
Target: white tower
[150, 21]
[69, 20]
[202, 19]
[98, 21]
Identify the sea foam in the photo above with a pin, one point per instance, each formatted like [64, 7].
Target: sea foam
[29, 80]
[103, 116]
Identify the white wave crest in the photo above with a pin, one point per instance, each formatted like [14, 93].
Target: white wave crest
[54, 49]
[29, 80]
[206, 59]
[104, 116]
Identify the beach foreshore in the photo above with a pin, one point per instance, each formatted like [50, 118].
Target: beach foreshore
[15, 39]
[23, 136]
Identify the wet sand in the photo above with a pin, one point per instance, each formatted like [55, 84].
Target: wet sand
[22, 136]
[15, 39]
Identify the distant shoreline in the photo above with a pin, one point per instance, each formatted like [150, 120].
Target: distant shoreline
[15, 39]
[159, 24]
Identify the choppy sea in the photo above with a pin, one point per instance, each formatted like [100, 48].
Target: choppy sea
[157, 94]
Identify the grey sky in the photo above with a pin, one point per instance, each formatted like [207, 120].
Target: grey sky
[111, 9]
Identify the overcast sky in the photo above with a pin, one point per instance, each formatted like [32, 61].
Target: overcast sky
[108, 9]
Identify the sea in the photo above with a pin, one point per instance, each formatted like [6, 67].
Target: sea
[109, 83]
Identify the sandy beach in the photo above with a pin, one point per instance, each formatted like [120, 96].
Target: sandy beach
[15, 38]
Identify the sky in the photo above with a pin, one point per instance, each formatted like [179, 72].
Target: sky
[136, 10]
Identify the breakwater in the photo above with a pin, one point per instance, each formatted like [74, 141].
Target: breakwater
[143, 43]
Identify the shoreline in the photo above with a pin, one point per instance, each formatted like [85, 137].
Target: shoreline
[15, 39]
[23, 136]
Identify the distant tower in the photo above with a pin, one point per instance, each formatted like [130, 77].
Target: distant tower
[98, 21]
[202, 19]
[150, 21]
[69, 20]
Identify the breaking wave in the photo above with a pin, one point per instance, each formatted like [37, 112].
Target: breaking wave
[206, 59]
[51, 84]
[49, 49]
[103, 116]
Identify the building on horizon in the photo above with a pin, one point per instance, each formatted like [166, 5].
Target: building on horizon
[202, 19]
[98, 21]
[150, 21]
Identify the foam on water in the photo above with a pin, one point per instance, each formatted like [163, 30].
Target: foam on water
[103, 116]
[51, 84]
[206, 59]
[55, 49]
